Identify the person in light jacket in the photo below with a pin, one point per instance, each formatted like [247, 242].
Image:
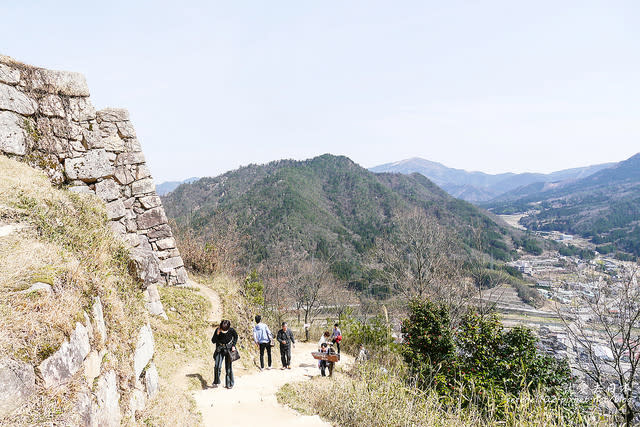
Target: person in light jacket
[225, 339]
[286, 340]
[262, 337]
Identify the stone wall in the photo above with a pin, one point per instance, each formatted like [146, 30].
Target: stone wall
[47, 119]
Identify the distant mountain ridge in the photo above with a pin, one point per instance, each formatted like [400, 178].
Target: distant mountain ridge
[167, 187]
[603, 207]
[480, 186]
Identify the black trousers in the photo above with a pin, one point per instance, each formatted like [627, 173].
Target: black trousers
[263, 346]
[285, 355]
[228, 367]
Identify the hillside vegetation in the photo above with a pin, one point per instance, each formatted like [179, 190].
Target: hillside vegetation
[603, 207]
[327, 207]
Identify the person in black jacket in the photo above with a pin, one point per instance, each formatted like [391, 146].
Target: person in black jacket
[225, 339]
[285, 338]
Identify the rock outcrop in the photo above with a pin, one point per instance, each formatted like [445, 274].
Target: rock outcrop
[46, 118]
[17, 384]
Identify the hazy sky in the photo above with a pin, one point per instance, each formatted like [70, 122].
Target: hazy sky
[490, 86]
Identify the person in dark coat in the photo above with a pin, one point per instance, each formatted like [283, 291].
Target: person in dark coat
[225, 338]
[286, 340]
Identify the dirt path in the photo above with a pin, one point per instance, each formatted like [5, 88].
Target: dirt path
[252, 401]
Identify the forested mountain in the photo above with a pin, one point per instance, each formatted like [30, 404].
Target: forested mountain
[480, 186]
[604, 207]
[327, 207]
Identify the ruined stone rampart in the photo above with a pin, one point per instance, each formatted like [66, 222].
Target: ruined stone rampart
[47, 119]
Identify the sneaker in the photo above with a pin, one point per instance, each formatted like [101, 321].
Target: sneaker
[269, 368]
[214, 385]
[289, 367]
[283, 368]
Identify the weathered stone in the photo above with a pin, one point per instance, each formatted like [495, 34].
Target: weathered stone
[107, 129]
[80, 109]
[98, 318]
[126, 130]
[38, 287]
[149, 202]
[88, 325]
[81, 189]
[167, 253]
[137, 402]
[153, 302]
[64, 129]
[114, 144]
[108, 190]
[123, 175]
[128, 204]
[151, 379]
[9, 75]
[113, 115]
[169, 264]
[63, 148]
[144, 242]
[115, 210]
[132, 240]
[144, 266]
[59, 368]
[144, 350]
[17, 384]
[60, 82]
[159, 232]
[130, 158]
[117, 227]
[151, 218]
[52, 106]
[89, 167]
[86, 408]
[13, 138]
[181, 275]
[142, 172]
[166, 243]
[92, 139]
[13, 100]
[92, 366]
[131, 224]
[108, 400]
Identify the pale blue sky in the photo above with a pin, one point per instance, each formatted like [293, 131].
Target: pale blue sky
[493, 86]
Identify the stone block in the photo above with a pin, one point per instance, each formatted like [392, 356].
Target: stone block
[144, 265]
[166, 243]
[181, 275]
[143, 172]
[60, 82]
[13, 100]
[128, 203]
[17, 384]
[115, 210]
[130, 158]
[114, 144]
[52, 106]
[98, 319]
[159, 232]
[92, 139]
[137, 402]
[91, 366]
[151, 218]
[81, 109]
[126, 130]
[167, 265]
[64, 363]
[117, 227]
[81, 189]
[89, 167]
[108, 401]
[123, 175]
[9, 75]
[113, 115]
[151, 380]
[153, 302]
[144, 350]
[108, 190]
[149, 202]
[13, 137]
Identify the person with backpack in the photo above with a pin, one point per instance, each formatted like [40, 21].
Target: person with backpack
[225, 338]
[262, 337]
[286, 340]
[336, 337]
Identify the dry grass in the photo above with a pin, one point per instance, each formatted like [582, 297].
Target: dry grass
[65, 242]
[373, 397]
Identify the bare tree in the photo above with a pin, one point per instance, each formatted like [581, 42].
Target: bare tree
[308, 288]
[603, 327]
[421, 259]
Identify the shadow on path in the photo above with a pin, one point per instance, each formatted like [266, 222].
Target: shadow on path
[203, 383]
